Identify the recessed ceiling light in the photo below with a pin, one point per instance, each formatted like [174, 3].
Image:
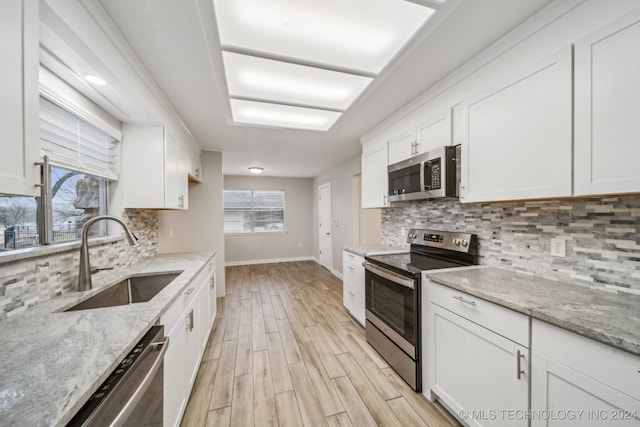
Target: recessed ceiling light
[255, 169]
[283, 116]
[359, 35]
[95, 80]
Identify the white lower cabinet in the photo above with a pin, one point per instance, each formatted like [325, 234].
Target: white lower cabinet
[580, 382]
[175, 397]
[477, 358]
[188, 322]
[353, 284]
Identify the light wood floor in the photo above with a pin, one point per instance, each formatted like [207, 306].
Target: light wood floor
[284, 351]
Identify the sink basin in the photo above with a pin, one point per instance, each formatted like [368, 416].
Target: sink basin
[131, 290]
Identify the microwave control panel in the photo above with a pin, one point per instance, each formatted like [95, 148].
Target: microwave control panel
[432, 174]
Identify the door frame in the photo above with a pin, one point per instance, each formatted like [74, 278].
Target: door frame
[328, 255]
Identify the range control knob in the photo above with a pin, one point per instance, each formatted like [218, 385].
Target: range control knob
[457, 242]
[464, 242]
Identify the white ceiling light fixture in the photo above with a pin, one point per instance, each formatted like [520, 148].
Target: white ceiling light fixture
[282, 116]
[302, 64]
[359, 35]
[95, 80]
[256, 169]
[260, 78]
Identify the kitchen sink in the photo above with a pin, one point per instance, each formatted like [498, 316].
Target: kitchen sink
[131, 290]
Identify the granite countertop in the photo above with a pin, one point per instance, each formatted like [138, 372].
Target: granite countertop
[609, 317]
[366, 250]
[52, 361]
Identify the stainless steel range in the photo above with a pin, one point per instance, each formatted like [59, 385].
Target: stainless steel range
[393, 292]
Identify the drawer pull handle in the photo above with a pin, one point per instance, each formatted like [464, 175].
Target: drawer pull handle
[466, 301]
[188, 292]
[519, 357]
[352, 268]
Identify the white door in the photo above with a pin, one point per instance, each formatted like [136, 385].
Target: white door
[324, 230]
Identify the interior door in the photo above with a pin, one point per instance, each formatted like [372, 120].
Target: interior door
[324, 231]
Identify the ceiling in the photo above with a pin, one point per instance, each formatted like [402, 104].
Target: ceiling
[178, 44]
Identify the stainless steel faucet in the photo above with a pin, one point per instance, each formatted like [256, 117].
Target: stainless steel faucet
[84, 279]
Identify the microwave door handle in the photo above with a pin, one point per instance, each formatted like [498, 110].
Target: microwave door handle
[130, 405]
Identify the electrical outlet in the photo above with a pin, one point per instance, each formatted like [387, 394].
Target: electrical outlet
[403, 232]
[558, 248]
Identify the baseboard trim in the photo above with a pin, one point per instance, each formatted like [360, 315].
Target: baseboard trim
[269, 261]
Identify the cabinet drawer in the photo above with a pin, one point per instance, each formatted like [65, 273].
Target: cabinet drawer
[351, 258]
[354, 302]
[505, 322]
[177, 308]
[353, 278]
[613, 367]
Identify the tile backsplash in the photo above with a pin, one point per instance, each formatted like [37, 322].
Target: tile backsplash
[602, 235]
[25, 283]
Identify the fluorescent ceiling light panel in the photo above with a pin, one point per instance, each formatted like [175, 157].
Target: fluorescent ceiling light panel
[283, 82]
[362, 35]
[282, 116]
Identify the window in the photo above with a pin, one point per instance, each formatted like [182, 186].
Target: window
[82, 162]
[253, 211]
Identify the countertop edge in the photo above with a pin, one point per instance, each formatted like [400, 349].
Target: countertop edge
[600, 336]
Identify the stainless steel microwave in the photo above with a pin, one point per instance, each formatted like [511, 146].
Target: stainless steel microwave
[431, 175]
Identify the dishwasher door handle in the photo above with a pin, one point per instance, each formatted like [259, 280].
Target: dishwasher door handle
[161, 348]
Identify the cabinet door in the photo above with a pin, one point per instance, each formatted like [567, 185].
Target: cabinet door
[477, 370]
[402, 146]
[175, 398]
[19, 140]
[516, 137]
[607, 102]
[558, 389]
[176, 182]
[193, 342]
[375, 183]
[434, 133]
[213, 307]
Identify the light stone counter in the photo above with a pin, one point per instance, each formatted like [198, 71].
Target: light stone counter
[366, 250]
[609, 317]
[51, 361]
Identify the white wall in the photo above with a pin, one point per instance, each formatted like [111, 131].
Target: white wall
[294, 244]
[341, 179]
[201, 227]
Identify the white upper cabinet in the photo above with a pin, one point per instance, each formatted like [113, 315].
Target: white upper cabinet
[421, 137]
[434, 132]
[402, 146]
[516, 137]
[607, 108]
[154, 169]
[375, 184]
[19, 139]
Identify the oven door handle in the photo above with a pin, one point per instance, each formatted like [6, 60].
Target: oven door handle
[390, 275]
[129, 406]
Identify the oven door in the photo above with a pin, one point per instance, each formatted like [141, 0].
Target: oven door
[391, 301]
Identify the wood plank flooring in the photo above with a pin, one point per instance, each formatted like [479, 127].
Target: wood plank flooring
[285, 352]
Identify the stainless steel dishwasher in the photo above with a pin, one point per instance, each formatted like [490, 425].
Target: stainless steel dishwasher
[132, 394]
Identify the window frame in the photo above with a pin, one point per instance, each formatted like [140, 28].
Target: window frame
[253, 232]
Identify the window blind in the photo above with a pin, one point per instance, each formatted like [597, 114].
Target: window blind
[247, 211]
[73, 143]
